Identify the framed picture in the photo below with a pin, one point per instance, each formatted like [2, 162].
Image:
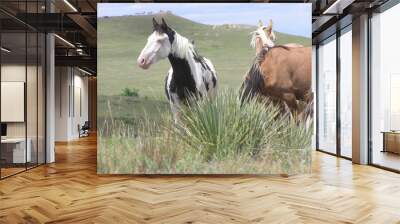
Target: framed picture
[204, 88]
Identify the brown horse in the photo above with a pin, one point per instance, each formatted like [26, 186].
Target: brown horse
[283, 73]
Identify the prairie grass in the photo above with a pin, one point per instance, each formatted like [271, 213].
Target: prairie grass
[213, 136]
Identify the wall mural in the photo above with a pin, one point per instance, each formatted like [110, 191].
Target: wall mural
[204, 88]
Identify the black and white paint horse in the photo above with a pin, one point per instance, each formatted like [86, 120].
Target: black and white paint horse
[190, 75]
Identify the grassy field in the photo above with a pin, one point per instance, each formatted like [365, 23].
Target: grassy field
[213, 136]
[135, 131]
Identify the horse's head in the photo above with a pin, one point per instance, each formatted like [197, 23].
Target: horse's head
[158, 45]
[263, 37]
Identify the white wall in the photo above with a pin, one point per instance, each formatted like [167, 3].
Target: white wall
[10, 73]
[17, 73]
[34, 125]
[62, 82]
[70, 84]
[79, 110]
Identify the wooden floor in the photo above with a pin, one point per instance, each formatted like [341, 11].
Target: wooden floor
[69, 191]
[5, 172]
[387, 159]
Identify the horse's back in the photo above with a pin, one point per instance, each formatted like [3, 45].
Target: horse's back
[293, 45]
[290, 58]
[285, 68]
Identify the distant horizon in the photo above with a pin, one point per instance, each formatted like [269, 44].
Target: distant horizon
[240, 24]
[156, 13]
[293, 18]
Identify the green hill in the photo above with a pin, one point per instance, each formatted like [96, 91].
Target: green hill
[120, 40]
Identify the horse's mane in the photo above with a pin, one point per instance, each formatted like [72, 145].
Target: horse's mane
[261, 55]
[196, 55]
[200, 59]
[253, 39]
[253, 83]
[254, 79]
[182, 45]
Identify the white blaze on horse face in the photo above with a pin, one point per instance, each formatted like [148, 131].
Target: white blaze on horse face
[261, 40]
[263, 37]
[157, 47]
[267, 36]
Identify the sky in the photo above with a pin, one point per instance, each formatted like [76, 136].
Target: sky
[287, 18]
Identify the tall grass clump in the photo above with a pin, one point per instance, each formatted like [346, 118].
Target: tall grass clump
[224, 127]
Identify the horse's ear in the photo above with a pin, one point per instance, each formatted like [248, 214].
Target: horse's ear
[260, 23]
[155, 24]
[270, 25]
[164, 24]
[269, 30]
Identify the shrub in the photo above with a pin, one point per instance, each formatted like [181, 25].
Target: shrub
[130, 92]
[225, 127]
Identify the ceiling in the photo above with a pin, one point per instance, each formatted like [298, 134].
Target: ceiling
[332, 15]
[75, 22]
